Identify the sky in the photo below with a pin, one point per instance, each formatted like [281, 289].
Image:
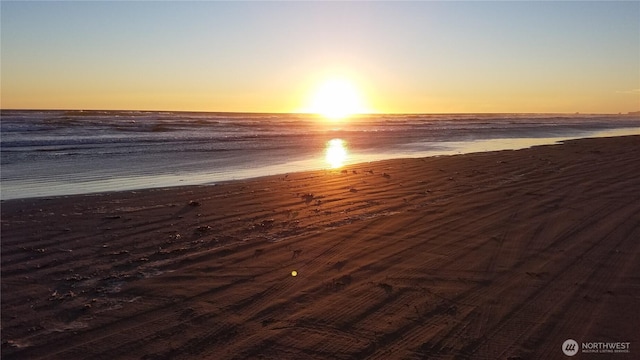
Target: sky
[402, 57]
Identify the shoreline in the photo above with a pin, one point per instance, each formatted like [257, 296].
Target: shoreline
[205, 178]
[483, 255]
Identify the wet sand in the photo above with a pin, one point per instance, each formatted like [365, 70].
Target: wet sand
[499, 255]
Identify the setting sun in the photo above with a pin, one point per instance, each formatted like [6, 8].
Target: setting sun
[336, 99]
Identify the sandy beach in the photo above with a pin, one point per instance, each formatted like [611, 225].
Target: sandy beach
[496, 255]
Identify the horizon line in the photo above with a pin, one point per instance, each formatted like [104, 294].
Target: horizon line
[320, 115]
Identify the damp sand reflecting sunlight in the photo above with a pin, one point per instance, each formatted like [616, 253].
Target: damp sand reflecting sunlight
[336, 153]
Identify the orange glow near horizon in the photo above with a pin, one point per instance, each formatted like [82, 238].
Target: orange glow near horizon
[327, 59]
[336, 99]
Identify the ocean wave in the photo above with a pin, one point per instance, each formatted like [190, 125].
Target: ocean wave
[55, 143]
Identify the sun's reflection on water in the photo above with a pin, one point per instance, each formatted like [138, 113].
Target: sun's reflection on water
[336, 153]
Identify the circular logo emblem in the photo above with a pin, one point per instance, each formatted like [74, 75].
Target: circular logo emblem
[570, 347]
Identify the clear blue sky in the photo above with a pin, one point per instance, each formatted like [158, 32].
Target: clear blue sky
[268, 56]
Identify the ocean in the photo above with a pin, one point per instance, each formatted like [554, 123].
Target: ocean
[54, 153]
